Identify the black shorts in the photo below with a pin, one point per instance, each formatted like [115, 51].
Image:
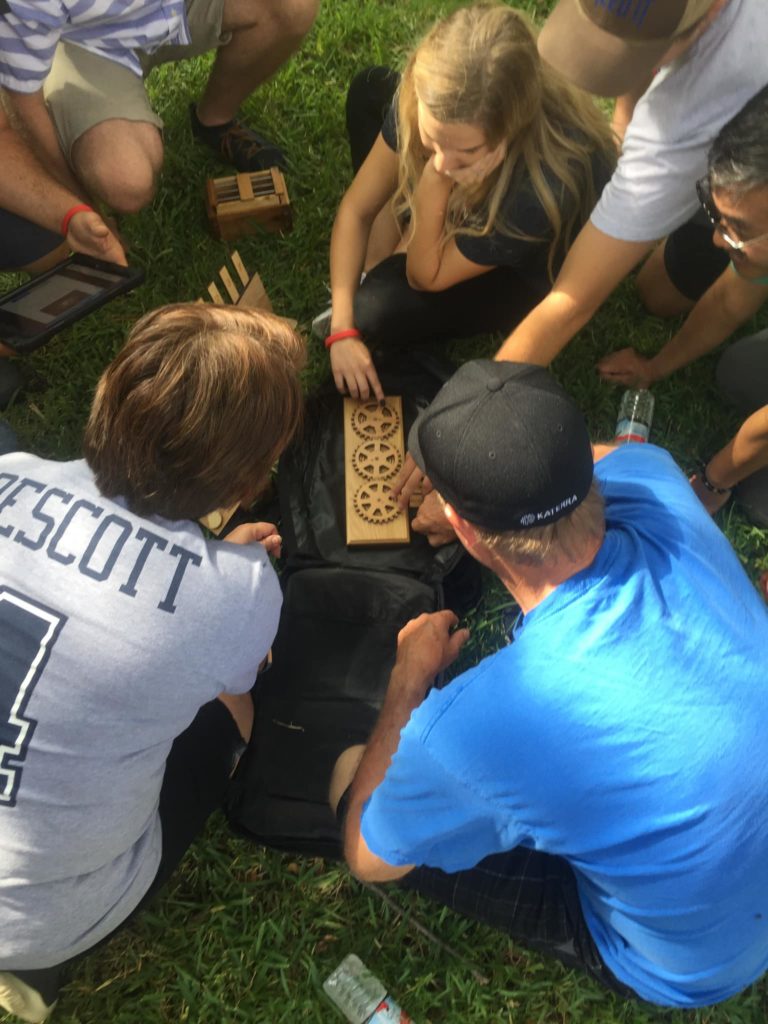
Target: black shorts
[194, 786]
[531, 896]
[22, 242]
[692, 260]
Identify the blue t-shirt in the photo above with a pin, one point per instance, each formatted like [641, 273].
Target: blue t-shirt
[626, 730]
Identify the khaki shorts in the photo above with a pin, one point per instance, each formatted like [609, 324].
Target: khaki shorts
[84, 89]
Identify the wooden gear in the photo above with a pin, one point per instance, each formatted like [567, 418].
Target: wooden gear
[235, 206]
[373, 453]
[216, 521]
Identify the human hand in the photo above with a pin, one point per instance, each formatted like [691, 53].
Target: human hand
[353, 369]
[407, 481]
[87, 233]
[258, 533]
[481, 168]
[628, 368]
[426, 645]
[711, 500]
[432, 522]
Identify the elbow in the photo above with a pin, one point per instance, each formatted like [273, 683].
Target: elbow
[366, 873]
[370, 868]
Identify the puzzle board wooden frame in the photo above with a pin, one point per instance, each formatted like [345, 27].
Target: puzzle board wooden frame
[254, 296]
[374, 450]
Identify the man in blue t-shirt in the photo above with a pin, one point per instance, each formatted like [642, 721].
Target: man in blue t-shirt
[599, 787]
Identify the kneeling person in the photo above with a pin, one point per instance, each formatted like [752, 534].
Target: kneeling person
[597, 788]
[120, 625]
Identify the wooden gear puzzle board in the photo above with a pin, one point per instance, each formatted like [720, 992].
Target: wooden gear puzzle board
[374, 450]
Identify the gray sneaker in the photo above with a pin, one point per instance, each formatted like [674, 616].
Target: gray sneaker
[321, 325]
[19, 998]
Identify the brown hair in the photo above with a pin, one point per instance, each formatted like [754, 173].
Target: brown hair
[565, 536]
[480, 66]
[194, 410]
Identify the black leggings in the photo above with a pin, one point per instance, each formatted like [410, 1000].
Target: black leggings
[388, 312]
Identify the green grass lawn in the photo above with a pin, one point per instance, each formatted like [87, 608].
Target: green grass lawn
[246, 934]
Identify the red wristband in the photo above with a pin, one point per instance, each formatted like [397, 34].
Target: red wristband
[78, 208]
[350, 332]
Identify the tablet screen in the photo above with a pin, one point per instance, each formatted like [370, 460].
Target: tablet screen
[54, 296]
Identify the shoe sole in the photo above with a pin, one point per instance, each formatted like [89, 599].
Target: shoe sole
[22, 1000]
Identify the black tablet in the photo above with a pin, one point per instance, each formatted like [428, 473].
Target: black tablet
[32, 314]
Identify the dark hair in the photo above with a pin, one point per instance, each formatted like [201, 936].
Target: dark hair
[194, 410]
[738, 159]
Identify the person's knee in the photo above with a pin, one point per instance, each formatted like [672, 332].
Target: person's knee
[289, 20]
[658, 293]
[299, 16]
[741, 373]
[378, 309]
[343, 773]
[123, 173]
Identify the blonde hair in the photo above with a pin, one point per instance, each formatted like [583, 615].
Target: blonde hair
[195, 408]
[480, 66]
[567, 536]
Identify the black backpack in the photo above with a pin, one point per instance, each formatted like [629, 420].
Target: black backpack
[337, 638]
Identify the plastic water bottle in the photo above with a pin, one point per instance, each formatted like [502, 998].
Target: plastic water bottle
[360, 996]
[635, 416]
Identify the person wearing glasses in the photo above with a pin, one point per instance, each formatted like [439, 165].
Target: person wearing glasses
[734, 197]
[681, 71]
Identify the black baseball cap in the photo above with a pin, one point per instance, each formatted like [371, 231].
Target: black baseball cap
[505, 445]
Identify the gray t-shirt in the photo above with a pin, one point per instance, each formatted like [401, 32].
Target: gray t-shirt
[652, 191]
[114, 631]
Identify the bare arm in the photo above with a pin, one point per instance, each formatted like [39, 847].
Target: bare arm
[594, 266]
[724, 306]
[28, 190]
[372, 186]
[745, 454]
[425, 646]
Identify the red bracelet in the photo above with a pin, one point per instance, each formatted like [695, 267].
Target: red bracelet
[350, 332]
[78, 208]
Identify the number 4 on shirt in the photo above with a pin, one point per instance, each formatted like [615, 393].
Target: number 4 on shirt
[28, 631]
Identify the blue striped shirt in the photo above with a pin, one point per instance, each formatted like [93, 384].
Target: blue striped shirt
[115, 29]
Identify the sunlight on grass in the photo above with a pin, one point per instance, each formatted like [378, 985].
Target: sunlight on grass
[246, 934]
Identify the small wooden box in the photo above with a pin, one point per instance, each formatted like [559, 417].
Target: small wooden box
[237, 205]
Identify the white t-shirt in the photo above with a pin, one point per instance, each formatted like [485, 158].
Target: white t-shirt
[114, 631]
[653, 189]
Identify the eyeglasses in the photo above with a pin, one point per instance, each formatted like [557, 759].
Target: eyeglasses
[704, 192]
